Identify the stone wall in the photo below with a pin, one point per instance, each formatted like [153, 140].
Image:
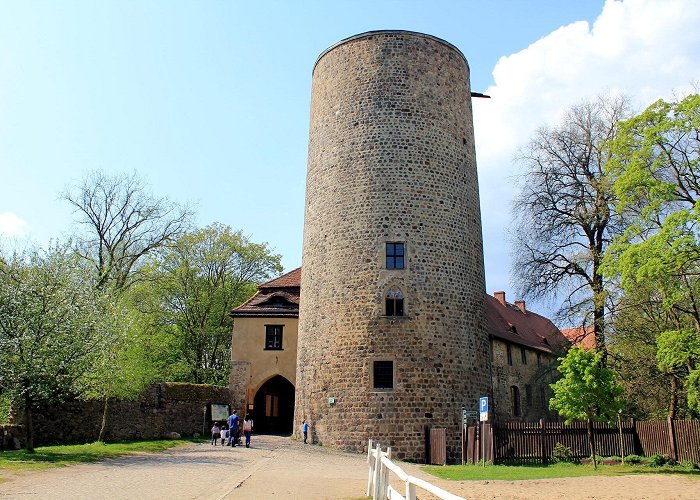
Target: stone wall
[391, 159]
[163, 408]
[532, 378]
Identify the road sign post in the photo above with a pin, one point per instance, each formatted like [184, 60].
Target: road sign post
[483, 418]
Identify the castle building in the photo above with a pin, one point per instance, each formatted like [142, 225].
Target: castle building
[523, 346]
[394, 333]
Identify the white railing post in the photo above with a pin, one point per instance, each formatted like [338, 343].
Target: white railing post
[377, 467]
[410, 490]
[385, 474]
[369, 461]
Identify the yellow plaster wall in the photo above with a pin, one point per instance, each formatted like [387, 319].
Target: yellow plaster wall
[248, 345]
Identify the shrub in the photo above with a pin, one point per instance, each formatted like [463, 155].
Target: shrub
[562, 453]
[633, 459]
[689, 464]
[657, 460]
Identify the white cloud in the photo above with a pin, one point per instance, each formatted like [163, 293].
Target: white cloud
[12, 226]
[647, 49]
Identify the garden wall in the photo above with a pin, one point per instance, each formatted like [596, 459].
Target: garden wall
[163, 408]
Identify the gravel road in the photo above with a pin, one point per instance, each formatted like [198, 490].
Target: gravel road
[277, 467]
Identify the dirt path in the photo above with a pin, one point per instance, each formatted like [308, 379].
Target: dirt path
[280, 468]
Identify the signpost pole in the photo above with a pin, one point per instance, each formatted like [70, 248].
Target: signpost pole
[464, 428]
[483, 417]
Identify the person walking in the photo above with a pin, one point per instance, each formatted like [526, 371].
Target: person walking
[305, 428]
[214, 434]
[247, 429]
[233, 420]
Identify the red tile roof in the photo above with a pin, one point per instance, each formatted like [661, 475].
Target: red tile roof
[291, 279]
[507, 322]
[580, 336]
[276, 298]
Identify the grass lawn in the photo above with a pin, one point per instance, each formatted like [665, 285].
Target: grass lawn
[524, 472]
[52, 456]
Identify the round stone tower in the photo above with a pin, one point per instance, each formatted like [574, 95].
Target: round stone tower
[392, 336]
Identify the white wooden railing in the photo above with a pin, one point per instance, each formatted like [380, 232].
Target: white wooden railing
[378, 486]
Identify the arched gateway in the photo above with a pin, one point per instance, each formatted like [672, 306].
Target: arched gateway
[273, 407]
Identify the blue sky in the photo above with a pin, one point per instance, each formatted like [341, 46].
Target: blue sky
[209, 101]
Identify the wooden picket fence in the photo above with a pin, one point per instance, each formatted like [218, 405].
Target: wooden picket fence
[534, 442]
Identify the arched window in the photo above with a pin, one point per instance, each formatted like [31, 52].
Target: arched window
[394, 302]
[515, 400]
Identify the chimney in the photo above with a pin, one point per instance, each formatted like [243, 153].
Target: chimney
[501, 297]
[521, 305]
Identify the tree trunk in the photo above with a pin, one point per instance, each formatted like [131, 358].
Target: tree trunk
[591, 442]
[105, 409]
[28, 424]
[598, 288]
[673, 407]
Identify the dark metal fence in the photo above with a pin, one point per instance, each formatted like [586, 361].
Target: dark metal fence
[534, 442]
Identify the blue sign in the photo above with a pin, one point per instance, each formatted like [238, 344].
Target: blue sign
[483, 409]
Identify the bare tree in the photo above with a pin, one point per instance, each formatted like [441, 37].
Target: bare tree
[564, 216]
[124, 223]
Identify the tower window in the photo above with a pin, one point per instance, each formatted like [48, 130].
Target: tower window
[509, 353]
[523, 355]
[383, 375]
[394, 302]
[395, 255]
[273, 337]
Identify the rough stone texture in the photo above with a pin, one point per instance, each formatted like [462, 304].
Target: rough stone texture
[519, 374]
[163, 408]
[391, 158]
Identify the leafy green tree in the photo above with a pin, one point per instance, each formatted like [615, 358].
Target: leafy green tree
[51, 328]
[638, 321]
[124, 225]
[655, 165]
[586, 391]
[122, 370]
[192, 289]
[564, 215]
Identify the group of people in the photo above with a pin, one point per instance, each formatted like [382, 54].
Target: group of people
[229, 435]
[232, 431]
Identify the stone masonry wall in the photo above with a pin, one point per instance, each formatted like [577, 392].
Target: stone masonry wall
[163, 408]
[391, 159]
[519, 374]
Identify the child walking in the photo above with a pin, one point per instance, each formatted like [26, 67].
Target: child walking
[224, 435]
[215, 434]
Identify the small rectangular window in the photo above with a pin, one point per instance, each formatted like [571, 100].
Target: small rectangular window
[273, 337]
[383, 375]
[539, 359]
[510, 355]
[515, 401]
[523, 355]
[395, 255]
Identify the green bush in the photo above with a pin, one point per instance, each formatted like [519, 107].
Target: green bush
[562, 453]
[657, 460]
[689, 464]
[633, 459]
